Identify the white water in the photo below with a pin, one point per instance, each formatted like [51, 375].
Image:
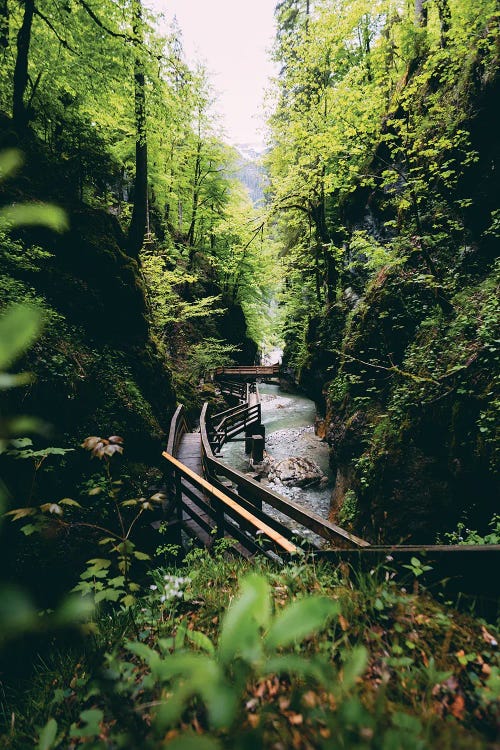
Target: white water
[289, 421]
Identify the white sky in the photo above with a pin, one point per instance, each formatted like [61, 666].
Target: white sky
[233, 39]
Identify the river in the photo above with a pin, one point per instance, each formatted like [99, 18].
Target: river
[289, 420]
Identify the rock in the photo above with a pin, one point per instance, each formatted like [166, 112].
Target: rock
[320, 428]
[295, 472]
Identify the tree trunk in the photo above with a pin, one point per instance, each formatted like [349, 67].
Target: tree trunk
[20, 113]
[331, 274]
[421, 13]
[4, 24]
[444, 20]
[196, 195]
[138, 222]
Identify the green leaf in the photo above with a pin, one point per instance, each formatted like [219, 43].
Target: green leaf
[240, 628]
[48, 735]
[300, 666]
[202, 676]
[117, 581]
[99, 563]
[10, 161]
[91, 718]
[300, 619]
[19, 327]
[14, 381]
[108, 595]
[354, 666]
[74, 609]
[147, 654]
[141, 555]
[17, 612]
[69, 501]
[40, 214]
[22, 442]
[201, 640]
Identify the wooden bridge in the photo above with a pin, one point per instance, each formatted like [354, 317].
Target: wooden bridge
[209, 500]
[250, 372]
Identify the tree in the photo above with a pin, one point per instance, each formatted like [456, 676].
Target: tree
[20, 112]
[139, 219]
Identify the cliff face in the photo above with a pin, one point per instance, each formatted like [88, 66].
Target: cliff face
[405, 363]
[97, 368]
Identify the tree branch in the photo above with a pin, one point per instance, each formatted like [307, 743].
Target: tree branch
[51, 26]
[98, 21]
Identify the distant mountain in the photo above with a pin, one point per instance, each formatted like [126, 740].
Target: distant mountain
[250, 171]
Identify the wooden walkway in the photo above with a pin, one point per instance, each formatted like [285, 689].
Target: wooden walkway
[189, 453]
[196, 522]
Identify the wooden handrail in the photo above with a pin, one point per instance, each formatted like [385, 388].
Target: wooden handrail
[278, 539]
[249, 370]
[253, 489]
[178, 426]
[236, 421]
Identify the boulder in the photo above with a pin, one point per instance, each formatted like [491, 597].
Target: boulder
[295, 472]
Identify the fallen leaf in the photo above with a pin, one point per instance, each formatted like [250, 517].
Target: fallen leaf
[488, 637]
[457, 708]
[283, 702]
[295, 719]
[253, 720]
[343, 623]
[310, 699]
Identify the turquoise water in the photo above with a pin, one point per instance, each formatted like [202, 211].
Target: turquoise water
[289, 420]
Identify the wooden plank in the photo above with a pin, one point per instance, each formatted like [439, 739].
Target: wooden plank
[277, 538]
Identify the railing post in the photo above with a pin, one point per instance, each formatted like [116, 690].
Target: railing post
[219, 519]
[257, 449]
[178, 497]
[248, 440]
[173, 507]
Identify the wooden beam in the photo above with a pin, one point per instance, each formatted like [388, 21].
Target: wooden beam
[198, 481]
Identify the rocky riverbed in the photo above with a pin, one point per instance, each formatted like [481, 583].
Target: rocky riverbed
[289, 420]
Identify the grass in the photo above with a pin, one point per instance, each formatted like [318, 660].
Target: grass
[393, 668]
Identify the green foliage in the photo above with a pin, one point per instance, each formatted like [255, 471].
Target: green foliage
[349, 509]
[207, 355]
[105, 579]
[464, 535]
[248, 648]
[246, 656]
[417, 567]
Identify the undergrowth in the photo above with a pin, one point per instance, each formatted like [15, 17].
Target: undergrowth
[225, 653]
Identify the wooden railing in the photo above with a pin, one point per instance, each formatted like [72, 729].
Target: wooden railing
[227, 424]
[254, 495]
[232, 388]
[254, 371]
[212, 509]
[231, 503]
[178, 427]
